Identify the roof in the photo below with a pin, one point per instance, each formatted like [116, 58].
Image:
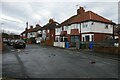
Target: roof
[23, 32]
[33, 29]
[52, 25]
[86, 16]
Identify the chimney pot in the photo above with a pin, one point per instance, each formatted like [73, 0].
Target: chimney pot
[31, 27]
[80, 10]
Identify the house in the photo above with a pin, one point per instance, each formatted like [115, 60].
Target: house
[1, 43]
[48, 32]
[23, 35]
[38, 34]
[85, 26]
[31, 34]
[116, 31]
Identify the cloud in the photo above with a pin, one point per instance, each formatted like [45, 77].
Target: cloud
[40, 12]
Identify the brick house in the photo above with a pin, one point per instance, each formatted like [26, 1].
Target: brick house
[1, 43]
[31, 34]
[86, 26]
[48, 32]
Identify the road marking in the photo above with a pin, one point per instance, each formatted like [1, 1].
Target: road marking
[70, 53]
[106, 63]
[18, 50]
[12, 50]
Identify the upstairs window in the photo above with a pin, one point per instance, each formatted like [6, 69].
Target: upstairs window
[106, 26]
[62, 28]
[65, 28]
[85, 25]
[57, 30]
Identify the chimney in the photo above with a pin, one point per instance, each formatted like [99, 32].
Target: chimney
[80, 10]
[37, 25]
[31, 27]
[26, 29]
[26, 24]
[51, 20]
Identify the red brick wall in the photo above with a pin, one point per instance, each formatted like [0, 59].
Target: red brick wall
[99, 37]
[68, 37]
[51, 39]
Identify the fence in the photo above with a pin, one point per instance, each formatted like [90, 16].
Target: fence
[107, 46]
[59, 44]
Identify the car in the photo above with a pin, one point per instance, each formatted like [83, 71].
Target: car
[5, 41]
[10, 42]
[19, 44]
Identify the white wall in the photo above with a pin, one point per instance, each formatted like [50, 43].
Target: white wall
[72, 26]
[44, 34]
[59, 44]
[96, 27]
[87, 27]
[58, 31]
[31, 34]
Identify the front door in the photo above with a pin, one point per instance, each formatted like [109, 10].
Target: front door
[73, 40]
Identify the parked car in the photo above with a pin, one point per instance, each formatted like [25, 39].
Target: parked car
[5, 40]
[10, 42]
[19, 44]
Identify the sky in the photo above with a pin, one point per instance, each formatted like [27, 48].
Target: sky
[14, 13]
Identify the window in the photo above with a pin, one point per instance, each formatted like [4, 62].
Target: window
[92, 38]
[106, 26]
[85, 25]
[39, 35]
[87, 38]
[56, 39]
[74, 38]
[62, 28]
[57, 29]
[61, 39]
[83, 39]
[65, 39]
[66, 27]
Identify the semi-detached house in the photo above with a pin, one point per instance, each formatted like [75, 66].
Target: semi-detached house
[48, 33]
[86, 26]
[31, 35]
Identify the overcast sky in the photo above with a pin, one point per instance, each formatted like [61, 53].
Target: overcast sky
[15, 14]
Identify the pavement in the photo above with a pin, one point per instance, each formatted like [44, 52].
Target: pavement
[49, 62]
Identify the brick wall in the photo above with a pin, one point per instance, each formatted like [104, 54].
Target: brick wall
[100, 36]
[51, 38]
[111, 50]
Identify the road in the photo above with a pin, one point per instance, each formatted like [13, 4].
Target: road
[50, 62]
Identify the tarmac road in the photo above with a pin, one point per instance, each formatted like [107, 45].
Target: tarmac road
[50, 62]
